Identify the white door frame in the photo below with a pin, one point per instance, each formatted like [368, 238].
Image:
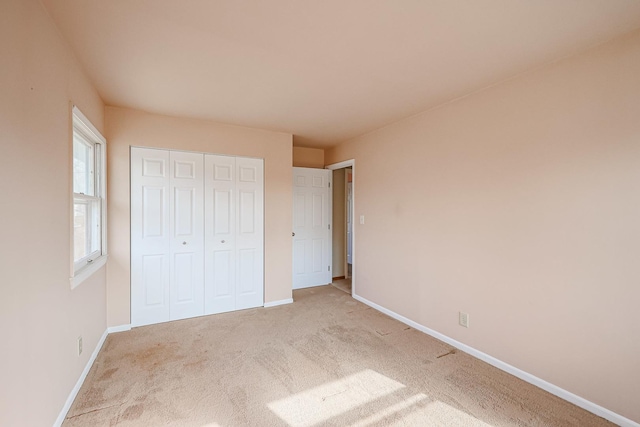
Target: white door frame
[341, 165]
[349, 204]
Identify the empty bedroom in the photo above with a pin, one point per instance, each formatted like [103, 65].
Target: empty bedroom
[320, 213]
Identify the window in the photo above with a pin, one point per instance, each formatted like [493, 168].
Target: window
[89, 207]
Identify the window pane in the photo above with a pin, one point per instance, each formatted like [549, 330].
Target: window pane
[87, 229]
[97, 172]
[80, 220]
[96, 231]
[83, 161]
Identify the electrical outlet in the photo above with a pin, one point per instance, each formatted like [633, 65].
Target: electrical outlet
[79, 346]
[463, 319]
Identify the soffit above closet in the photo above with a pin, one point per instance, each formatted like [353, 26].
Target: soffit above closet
[325, 71]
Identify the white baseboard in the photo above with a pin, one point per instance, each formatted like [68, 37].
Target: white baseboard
[532, 379]
[121, 328]
[277, 303]
[76, 389]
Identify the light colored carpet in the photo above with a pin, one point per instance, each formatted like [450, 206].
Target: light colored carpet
[343, 284]
[325, 360]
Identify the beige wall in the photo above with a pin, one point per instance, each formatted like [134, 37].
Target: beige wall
[40, 316]
[519, 205]
[339, 254]
[126, 128]
[308, 157]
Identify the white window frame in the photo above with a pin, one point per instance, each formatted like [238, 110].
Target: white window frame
[85, 267]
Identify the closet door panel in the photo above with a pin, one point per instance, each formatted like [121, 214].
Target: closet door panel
[220, 234]
[221, 297]
[150, 236]
[250, 233]
[153, 267]
[246, 271]
[187, 235]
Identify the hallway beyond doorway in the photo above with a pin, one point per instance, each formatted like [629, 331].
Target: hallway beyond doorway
[343, 284]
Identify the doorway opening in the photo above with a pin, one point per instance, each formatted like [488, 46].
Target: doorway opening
[343, 234]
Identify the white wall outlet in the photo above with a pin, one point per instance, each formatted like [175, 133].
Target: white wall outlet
[463, 319]
[79, 346]
[361, 219]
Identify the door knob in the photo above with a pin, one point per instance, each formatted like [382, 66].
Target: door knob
[222, 241]
[184, 243]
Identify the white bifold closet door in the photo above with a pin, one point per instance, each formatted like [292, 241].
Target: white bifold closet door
[167, 235]
[234, 248]
[196, 234]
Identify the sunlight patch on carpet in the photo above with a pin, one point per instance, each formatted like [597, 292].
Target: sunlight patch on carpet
[392, 410]
[348, 396]
[439, 413]
[332, 399]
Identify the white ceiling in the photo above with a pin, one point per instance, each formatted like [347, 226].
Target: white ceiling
[324, 70]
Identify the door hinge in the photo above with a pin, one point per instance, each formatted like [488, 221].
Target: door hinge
[328, 268]
[329, 226]
[329, 185]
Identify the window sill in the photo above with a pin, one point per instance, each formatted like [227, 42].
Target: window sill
[86, 272]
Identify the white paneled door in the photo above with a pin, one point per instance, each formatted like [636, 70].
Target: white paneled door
[186, 291]
[220, 216]
[234, 250]
[311, 227]
[249, 233]
[150, 236]
[196, 234]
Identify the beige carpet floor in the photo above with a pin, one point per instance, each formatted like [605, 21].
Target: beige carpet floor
[326, 360]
